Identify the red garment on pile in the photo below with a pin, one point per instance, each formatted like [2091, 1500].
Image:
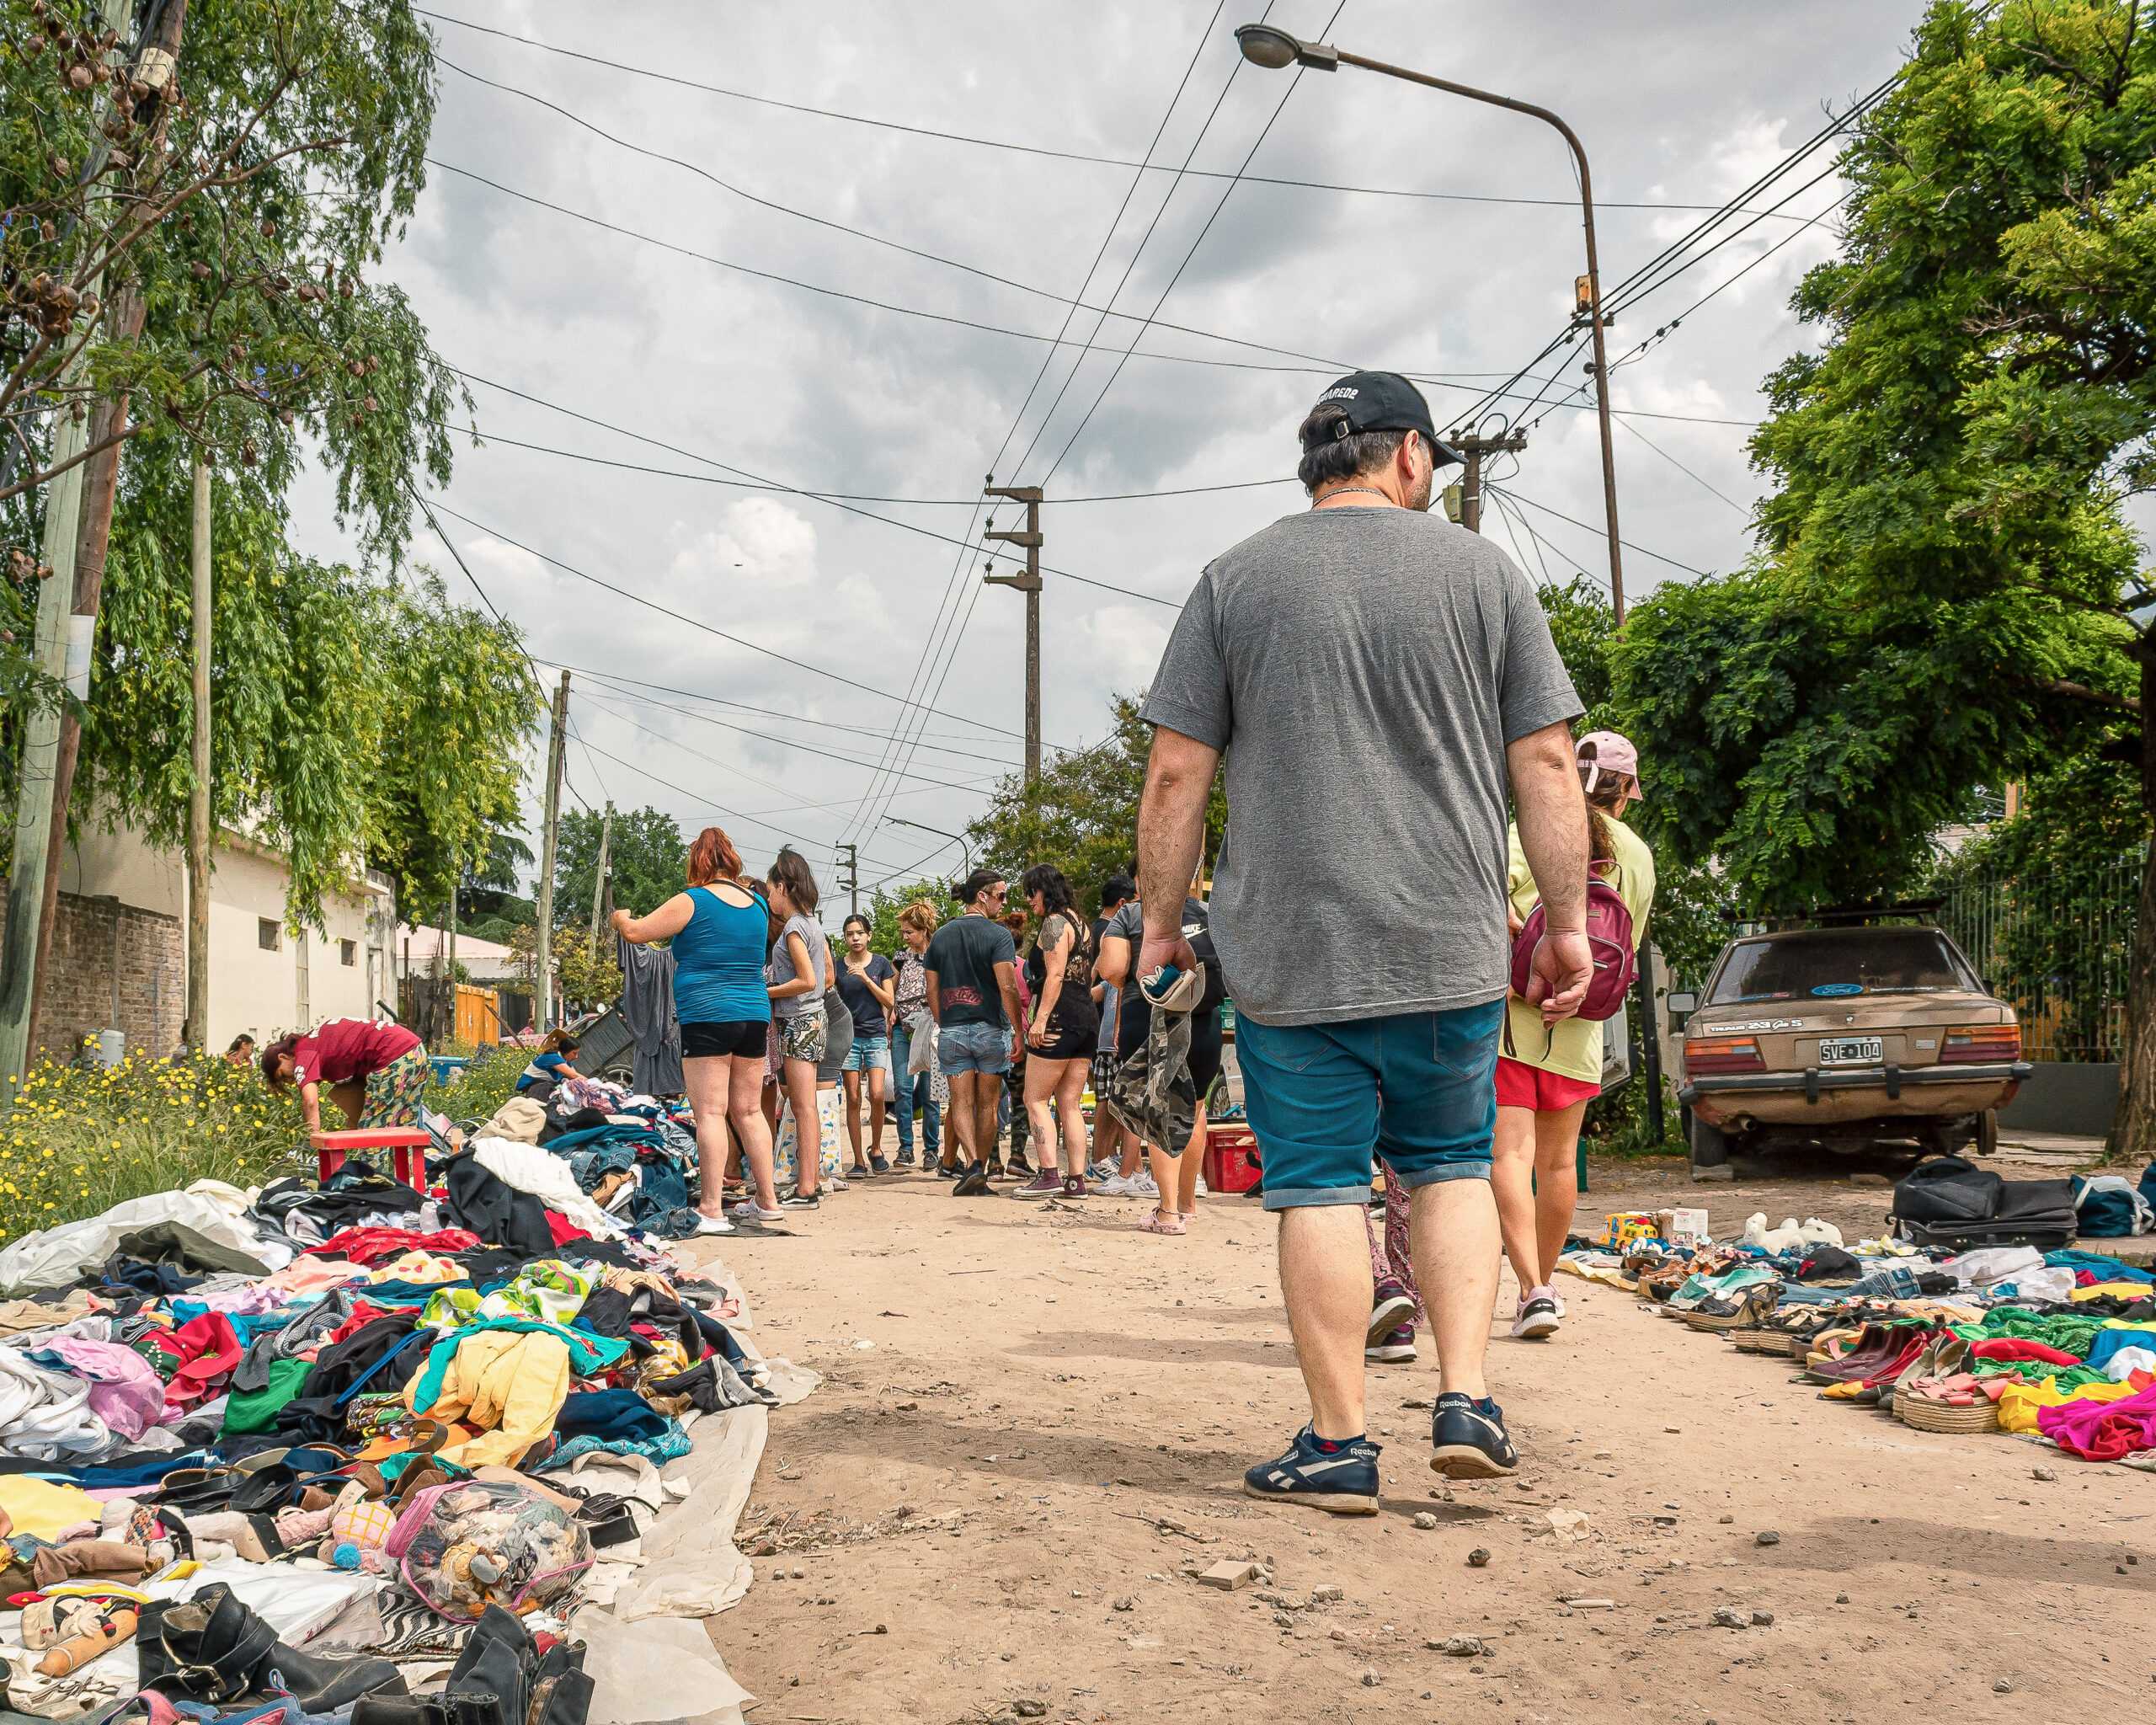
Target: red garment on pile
[563, 1228]
[363, 1314]
[373, 1245]
[2013, 1348]
[209, 1352]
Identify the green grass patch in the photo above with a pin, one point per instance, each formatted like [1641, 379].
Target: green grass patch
[78, 1140]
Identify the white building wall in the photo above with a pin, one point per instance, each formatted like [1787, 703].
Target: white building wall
[256, 990]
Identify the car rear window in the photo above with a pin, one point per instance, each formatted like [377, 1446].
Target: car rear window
[1840, 962]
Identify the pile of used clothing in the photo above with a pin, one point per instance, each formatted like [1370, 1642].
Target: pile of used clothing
[2055, 1346]
[354, 1449]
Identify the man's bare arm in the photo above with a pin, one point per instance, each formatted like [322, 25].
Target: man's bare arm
[1170, 833]
[1553, 833]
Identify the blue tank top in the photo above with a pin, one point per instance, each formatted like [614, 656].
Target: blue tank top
[718, 963]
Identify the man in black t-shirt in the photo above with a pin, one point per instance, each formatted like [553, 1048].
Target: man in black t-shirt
[973, 992]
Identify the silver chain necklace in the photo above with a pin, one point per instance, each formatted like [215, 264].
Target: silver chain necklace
[1367, 490]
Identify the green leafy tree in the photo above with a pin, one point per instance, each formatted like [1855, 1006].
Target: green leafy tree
[1945, 592]
[1081, 815]
[885, 903]
[647, 856]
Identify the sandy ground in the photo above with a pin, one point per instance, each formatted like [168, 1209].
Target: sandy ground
[1034, 1421]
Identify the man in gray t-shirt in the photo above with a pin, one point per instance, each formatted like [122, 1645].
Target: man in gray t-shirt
[1377, 679]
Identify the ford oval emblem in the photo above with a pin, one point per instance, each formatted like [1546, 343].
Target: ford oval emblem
[1833, 988]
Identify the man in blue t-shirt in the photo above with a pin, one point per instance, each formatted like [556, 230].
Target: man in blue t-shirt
[972, 994]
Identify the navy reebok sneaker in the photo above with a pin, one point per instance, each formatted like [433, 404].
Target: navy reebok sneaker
[1468, 1439]
[1337, 1475]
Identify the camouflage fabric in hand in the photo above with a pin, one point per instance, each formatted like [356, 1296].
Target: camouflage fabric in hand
[1151, 1093]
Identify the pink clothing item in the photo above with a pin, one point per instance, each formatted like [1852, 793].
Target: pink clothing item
[125, 1393]
[307, 1274]
[2104, 1431]
[249, 1302]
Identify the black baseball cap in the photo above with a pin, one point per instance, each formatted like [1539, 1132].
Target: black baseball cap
[1385, 401]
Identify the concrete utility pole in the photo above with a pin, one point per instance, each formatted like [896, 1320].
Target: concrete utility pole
[198, 796]
[852, 881]
[599, 884]
[542, 987]
[1474, 446]
[1029, 583]
[60, 644]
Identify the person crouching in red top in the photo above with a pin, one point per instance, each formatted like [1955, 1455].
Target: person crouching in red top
[376, 1071]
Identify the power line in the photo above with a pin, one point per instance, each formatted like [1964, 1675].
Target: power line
[1437, 379]
[574, 454]
[792, 490]
[1227, 192]
[791, 743]
[1626, 543]
[629, 684]
[962, 565]
[678, 616]
[1146, 167]
[1687, 471]
[1144, 239]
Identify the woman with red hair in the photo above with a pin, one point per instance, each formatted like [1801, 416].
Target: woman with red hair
[719, 998]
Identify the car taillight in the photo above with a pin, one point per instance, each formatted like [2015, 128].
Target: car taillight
[1981, 1042]
[1724, 1054]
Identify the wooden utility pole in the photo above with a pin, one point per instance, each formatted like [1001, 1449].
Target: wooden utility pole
[852, 881]
[1475, 447]
[542, 994]
[598, 883]
[1029, 583]
[198, 796]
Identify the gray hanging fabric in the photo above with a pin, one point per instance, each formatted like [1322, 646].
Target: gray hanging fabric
[647, 1010]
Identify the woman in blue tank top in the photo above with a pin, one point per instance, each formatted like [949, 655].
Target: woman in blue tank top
[717, 928]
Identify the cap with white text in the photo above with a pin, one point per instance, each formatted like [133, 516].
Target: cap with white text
[1385, 401]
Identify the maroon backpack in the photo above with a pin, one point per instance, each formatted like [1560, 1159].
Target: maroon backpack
[1609, 939]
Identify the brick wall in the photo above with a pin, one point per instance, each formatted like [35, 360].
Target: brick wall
[88, 935]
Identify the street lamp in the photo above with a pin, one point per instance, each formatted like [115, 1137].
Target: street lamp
[956, 839]
[1273, 48]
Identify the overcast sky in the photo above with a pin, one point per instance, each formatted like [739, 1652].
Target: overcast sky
[742, 376]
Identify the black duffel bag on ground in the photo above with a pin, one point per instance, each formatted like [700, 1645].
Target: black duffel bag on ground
[1948, 1189]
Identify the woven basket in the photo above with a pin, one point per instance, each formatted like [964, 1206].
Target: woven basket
[1927, 1415]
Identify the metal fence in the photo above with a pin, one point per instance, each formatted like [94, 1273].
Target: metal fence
[2058, 949]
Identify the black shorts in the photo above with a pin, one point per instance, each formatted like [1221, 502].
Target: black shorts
[734, 1039]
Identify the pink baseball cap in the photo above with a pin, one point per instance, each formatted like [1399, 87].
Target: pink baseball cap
[1612, 754]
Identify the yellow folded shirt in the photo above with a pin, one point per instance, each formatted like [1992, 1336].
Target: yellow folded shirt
[2125, 1290]
[40, 1507]
[2017, 1402]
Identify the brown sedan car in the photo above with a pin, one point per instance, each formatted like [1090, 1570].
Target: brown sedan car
[1844, 1038]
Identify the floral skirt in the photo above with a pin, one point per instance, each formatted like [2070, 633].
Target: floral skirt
[393, 1093]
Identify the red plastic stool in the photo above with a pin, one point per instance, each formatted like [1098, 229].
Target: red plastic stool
[410, 1144]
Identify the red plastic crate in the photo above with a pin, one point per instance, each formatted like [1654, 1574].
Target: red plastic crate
[1231, 1162]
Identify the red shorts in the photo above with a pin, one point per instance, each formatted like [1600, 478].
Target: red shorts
[1520, 1086]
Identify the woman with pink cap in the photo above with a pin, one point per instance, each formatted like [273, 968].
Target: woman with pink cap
[1547, 1075]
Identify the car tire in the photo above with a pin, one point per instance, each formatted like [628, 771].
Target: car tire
[1988, 1133]
[1709, 1145]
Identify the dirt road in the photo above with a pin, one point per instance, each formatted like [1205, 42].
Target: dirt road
[1034, 1421]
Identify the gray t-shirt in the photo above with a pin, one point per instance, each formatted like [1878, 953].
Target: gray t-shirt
[798, 1006]
[1363, 669]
